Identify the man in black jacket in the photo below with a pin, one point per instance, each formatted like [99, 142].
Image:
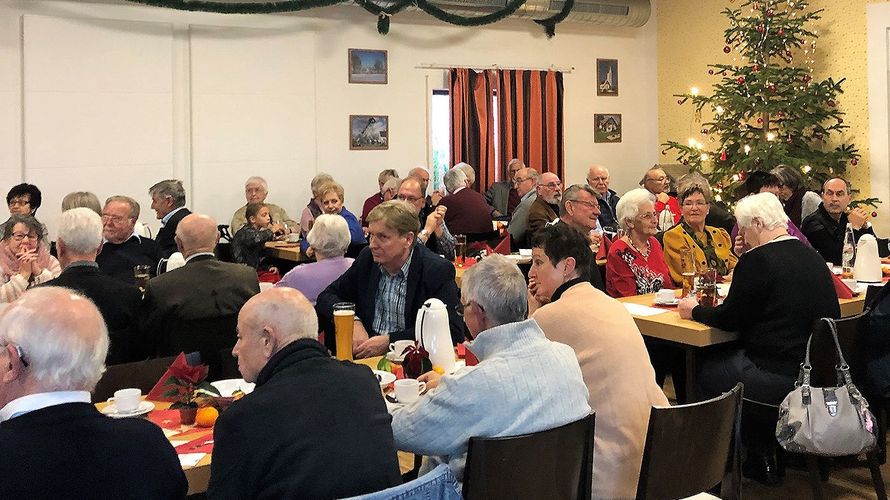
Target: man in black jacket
[79, 240]
[54, 442]
[124, 248]
[388, 283]
[826, 227]
[314, 427]
[168, 202]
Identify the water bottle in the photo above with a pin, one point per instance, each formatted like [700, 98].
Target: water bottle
[848, 255]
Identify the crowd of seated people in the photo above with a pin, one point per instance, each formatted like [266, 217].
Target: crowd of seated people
[563, 315]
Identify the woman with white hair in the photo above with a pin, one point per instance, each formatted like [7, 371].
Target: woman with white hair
[330, 238]
[635, 264]
[779, 288]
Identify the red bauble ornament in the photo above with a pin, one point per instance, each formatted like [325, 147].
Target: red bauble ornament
[740, 79]
[769, 12]
[781, 32]
[760, 120]
[760, 28]
[727, 49]
[772, 88]
[854, 162]
[723, 155]
[679, 101]
[840, 120]
[710, 72]
[685, 162]
[788, 140]
[755, 68]
[832, 103]
[807, 78]
[742, 175]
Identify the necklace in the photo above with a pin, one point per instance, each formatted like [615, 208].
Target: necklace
[645, 254]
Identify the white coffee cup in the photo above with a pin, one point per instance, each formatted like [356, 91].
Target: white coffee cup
[126, 400]
[398, 347]
[665, 295]
[293, 237]
[407, 390]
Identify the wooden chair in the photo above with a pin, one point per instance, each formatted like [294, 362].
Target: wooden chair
[823, 359]
[554, 464]
[140, 374]
[693, 448]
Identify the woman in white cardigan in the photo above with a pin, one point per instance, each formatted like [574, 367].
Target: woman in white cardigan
[614, 362]
[24, 257]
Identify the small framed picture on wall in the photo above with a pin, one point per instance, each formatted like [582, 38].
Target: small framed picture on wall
[368, 132]
[607, 77]
[607, 128]
[368, 66]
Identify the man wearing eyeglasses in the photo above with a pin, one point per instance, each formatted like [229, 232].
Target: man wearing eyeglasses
[657, 182]
[580, 210]
[123, 247]
[434, 233]
[598, 179]
[55, 443]
[526, 181]
[502, 196]
[545, 208]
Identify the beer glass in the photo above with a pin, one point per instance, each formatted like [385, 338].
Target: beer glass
[141, 274]
[706, 290]
[687, 269]
[344, 319]
[460, 249]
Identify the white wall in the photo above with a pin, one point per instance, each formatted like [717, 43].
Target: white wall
[878, 20]
[112, 98]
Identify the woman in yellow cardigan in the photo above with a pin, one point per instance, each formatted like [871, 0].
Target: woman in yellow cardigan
[711, 246]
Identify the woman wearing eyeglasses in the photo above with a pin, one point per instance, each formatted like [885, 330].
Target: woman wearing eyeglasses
[635, 264]
[711, 247]
[24, 258]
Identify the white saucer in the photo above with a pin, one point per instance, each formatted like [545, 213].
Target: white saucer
[666, 303]
[144, 407]
[384, 378]
[395, 357]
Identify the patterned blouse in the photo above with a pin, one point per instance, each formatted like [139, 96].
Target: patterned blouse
[629, 273]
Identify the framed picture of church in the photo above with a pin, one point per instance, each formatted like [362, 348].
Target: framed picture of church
[607, 128]
[607, 77]
[368, 132]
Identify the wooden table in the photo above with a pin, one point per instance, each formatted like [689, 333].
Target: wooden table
[693, 336]
[284, 250]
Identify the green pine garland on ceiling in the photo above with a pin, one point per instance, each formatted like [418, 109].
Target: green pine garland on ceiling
[383, 13]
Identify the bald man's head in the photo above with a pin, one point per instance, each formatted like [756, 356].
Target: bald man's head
[196, 233]
[267, 323]
[598, 179]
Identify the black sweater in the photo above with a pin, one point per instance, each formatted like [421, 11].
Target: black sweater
[778, 290]
[827, 235]
[314, 427]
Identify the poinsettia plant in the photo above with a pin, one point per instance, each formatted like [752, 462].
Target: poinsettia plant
[189, 385]
[417, 361]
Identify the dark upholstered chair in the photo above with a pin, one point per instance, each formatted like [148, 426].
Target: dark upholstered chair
[555, 464]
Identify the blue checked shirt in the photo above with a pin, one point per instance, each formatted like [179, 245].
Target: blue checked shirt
[389, 307]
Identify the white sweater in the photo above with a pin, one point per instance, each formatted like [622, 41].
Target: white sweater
[523, 383]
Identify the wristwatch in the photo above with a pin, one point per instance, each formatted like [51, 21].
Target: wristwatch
[424, 233]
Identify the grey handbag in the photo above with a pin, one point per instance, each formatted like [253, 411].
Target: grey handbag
[826, 421]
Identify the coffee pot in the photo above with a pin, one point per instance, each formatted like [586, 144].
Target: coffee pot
[432, 332]
[867, 267]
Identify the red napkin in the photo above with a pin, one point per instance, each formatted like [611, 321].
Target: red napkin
[461, 350]
[203, 444]
[165, 419]
[503, 247]
[842, 290]
[157, 392]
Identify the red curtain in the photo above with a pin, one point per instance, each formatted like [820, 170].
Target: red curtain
[531, 118]
[472, 122]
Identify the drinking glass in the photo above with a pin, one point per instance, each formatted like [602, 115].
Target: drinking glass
[706, 287]
[141, 274]
[460, 249]
[344, 321]
[687, 269]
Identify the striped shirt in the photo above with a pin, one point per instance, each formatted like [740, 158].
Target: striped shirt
[389, 307]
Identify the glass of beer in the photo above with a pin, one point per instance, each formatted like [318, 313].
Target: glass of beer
[142, 273]
[460, 248]
[344, 319]
[687, 265]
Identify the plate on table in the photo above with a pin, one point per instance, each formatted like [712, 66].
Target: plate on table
[144, 407]
[228, 386]
[384, 378]
[669, 303]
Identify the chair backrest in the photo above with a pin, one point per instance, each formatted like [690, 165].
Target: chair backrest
[823, 353]
[213, 338]
[140, 374]
[690, 448]
[553, 464]
[438, 484]
[871, 293]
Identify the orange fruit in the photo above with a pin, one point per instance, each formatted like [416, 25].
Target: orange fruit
[206, 416]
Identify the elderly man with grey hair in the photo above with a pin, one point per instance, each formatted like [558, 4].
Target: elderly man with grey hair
[379, 197]
[78, 243]
[168, 202]
[502, 196]
[526, 181]
[124, 248]
[314, 427]
[468, 213]
[579, 210]
[255, 191]
[511, 351]
[329, 237]
[55, 442]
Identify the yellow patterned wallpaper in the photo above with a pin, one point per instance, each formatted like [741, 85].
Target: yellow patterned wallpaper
[690, 36]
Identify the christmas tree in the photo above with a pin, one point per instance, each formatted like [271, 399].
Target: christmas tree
[767, 109]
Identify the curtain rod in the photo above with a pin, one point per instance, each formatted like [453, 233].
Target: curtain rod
[494, 66]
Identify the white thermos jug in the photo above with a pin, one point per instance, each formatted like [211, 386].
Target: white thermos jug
[432, 332]
[868, 263]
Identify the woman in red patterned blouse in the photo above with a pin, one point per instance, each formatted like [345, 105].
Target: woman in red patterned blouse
[635, 264]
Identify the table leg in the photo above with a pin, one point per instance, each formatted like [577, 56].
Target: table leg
[691, 369]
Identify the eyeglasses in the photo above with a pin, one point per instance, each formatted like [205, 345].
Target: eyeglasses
[597, 179]
[117, 219]
[588, 204]
[19, 352]
[521, 179]
[699, 203]
[551, 185]
[461, 308]
[15, 202]
[409, 199]
[22, 236]
[648, 215]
